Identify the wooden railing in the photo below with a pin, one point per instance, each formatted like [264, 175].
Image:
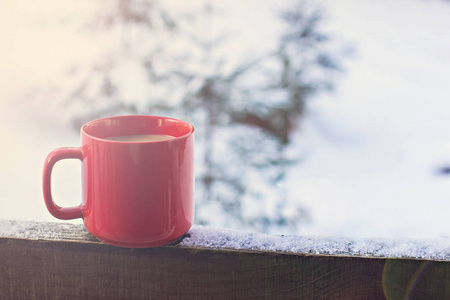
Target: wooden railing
[63, 261]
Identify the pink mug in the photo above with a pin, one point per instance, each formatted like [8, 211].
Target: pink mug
[135, 193]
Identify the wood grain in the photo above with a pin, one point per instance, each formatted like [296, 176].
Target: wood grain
[74, 265]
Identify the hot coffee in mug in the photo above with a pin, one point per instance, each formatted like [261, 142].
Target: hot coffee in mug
[141, 138]
[137, 180]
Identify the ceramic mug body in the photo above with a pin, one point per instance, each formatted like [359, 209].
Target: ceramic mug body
[135, 194]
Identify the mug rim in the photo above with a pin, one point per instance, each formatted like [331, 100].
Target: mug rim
[93, 137]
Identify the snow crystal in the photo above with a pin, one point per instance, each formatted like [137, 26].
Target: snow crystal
[43, 230]
[224, 239]
[216, 238]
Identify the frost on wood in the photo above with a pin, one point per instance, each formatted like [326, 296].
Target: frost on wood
[216, 238]
[437, 249]
[44, 231]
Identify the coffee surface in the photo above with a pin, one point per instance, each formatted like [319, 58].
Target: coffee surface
[141, 138]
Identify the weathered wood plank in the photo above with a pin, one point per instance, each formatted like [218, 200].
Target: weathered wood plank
[60, 261]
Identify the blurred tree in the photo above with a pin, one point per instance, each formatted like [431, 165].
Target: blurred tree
[245, 113]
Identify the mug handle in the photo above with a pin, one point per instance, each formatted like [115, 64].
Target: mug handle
[63, 213]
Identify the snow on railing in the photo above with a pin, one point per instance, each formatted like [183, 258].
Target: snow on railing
[58, 260]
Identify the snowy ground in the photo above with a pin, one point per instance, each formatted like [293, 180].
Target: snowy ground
[375, 146]
[371, 149]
